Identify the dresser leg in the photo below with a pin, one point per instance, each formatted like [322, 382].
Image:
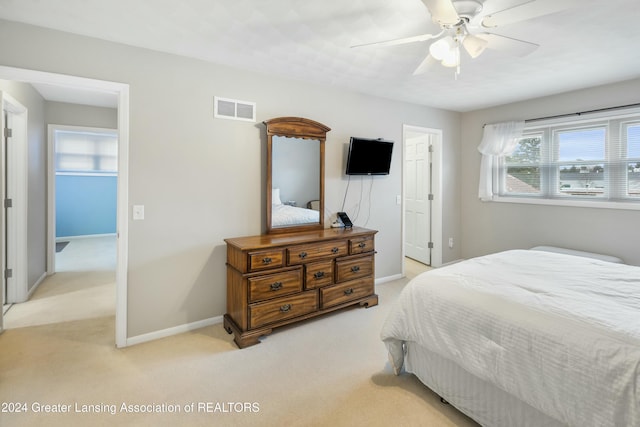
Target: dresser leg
[370, 302]
[246, 338]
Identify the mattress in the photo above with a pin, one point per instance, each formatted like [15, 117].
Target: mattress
[560, 333]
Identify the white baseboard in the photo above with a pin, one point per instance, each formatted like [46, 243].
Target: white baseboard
[382, 280]
[84, 236]
[35, 286]
[139, 339]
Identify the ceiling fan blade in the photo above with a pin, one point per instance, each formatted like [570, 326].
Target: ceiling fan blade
[527, 10]
[425, 65]
[404, 40]
[442, 11]
[507, 44]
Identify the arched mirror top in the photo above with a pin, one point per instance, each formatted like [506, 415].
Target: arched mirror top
[296, 127]
[295, 174]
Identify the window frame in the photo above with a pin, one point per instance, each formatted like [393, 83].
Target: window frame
[624, 130]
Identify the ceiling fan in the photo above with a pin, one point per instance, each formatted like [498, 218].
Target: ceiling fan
[464, 26]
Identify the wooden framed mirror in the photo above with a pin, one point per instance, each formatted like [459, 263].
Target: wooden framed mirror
[295, 174]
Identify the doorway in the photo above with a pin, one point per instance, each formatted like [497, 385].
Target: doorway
[82, 177]
[121, 92]
[422, 195]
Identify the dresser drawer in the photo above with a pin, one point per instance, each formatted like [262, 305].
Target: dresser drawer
[306, 253]
[284, 308]
[274, 285]
[318, 274]
[266, 259]
[345, 292]
[354, 268]
[361, 245]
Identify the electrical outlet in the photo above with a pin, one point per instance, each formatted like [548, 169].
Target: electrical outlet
[451, 242]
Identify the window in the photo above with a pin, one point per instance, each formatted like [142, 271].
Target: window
[523, 167]
[580, 162]
[596, 159]
[83, 152]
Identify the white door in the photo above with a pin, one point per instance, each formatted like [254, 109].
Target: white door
[417, 205]
[14, 199]
[3, 216]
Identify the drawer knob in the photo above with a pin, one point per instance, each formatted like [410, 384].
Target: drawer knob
[335, 250]
[348, 291]
[266, 260]
[318, 275]
[355, 269]
[303, 255]
[285, 308]
[276, 286]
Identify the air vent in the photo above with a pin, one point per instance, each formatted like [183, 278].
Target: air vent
[225, 108]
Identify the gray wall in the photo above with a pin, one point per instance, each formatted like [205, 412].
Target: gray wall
[203, 179]
[36, 178]
[61, 113]
[490, 227]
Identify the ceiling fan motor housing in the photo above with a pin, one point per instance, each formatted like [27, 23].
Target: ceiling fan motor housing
[467, 8]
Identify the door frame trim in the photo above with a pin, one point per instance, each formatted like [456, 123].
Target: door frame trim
[121, 90]
[436, 186]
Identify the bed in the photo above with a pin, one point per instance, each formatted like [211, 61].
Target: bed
[524, 338]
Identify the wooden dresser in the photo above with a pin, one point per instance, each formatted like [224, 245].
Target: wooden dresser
[275, 280]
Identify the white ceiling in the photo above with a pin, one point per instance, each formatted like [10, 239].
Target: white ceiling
[596, 43]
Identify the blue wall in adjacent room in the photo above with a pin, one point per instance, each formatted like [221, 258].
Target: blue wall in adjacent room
[85, 205]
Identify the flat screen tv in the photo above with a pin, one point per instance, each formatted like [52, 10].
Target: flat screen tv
[369, 156]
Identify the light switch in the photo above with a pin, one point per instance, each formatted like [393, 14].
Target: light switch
[138, 212]
[398, 199]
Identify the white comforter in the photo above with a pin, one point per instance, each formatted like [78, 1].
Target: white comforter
[291, 215]
[560, 332]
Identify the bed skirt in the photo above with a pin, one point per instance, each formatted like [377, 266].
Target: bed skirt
[478, 399]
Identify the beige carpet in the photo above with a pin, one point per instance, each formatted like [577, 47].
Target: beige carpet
[330, 371]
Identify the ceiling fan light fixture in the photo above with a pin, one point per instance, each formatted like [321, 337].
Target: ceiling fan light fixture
[441, 48]
[474, 45]
[452, 58]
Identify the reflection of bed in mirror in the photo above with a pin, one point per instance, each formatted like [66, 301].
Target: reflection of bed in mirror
[283, 214]
[296, 180]
[291, 215]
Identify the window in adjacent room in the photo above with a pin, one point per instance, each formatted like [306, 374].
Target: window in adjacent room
[81, 152]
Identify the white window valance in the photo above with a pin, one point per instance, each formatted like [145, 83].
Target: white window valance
[498, 140]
